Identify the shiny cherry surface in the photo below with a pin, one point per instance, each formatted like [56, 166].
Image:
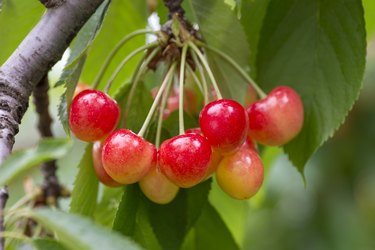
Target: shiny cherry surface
[276, 119]
[93, 115]
[184, 159]
[240, 175]
[100, 172]
[127, 157]
[225, 124]
[158, 188]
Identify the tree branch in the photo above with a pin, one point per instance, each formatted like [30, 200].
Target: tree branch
[51, 187]
[38, 52]
[3, 200]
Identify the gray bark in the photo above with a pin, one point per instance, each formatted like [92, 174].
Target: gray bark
[31, 61]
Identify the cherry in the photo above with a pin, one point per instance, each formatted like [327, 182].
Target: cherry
[157, 187]
[100, 172]
[184, 159]
[240, 175]
[224, 123]
[127, 157]
[215, 160]
[250, 97]
[80, 87]
[276, 119]
[93, 115]
[194, 131]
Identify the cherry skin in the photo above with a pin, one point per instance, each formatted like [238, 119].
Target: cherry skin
[93, 115]
[276, 119]
[240, 175]
[184, 159]
[250, 97]
[127, 157]
[158, 188]
[225, 124]
[100, 172]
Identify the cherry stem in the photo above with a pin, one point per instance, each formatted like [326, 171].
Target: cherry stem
[157, 100]
[208, 69]
[135, 79]
[114, 52]
[196, 79]
[125, 61]
[239, 69]
[161, 112]
[201, 72]
[181, 93]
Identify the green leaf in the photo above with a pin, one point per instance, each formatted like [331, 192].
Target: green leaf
[80, 233]
[211, 231]
[369, 6]
[106, 208]
[141, 104]
[222, 30]
[233, 212]
[85, 191]
[77, 59]
[253, 12]
[47, 244]
[172, 126]
[318, 47]
[179, 215]
[17, 18]
[170, 222]
[122, 18]
[132, 218]
[21, 161]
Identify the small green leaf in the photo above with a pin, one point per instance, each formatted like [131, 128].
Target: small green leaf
[80, 233]
[47, 244]
[222, 30]
[317, 47]
[106, 208]
[21, 161]
[133, 220]
[211, 231]
[86, 185]
[369, 6]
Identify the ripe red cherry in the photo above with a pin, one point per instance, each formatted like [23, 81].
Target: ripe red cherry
[127, 157]
[93, 115]
[225, 124]
[100, 172]
[276, 119]
[158, 188]
[184, 159]
[240, 175]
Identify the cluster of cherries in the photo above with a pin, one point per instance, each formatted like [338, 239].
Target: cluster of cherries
[223, 144]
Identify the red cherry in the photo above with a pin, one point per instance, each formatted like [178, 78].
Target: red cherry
[251, 96]
[224, 123]
[240, 175]
[276, 119]
[194, 131]
[215, 161]
[184, 159]
[100, 172]
[158, 188]
[127, 157]
[93, 115]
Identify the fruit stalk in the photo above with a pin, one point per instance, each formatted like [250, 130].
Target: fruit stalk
[114, 52]
[166, 80]
[181, 94]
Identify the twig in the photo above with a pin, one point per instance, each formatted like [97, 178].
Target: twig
[3, 200]
[51, 186]
[174, 7]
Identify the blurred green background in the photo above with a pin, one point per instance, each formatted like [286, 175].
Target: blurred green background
[333, 209]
